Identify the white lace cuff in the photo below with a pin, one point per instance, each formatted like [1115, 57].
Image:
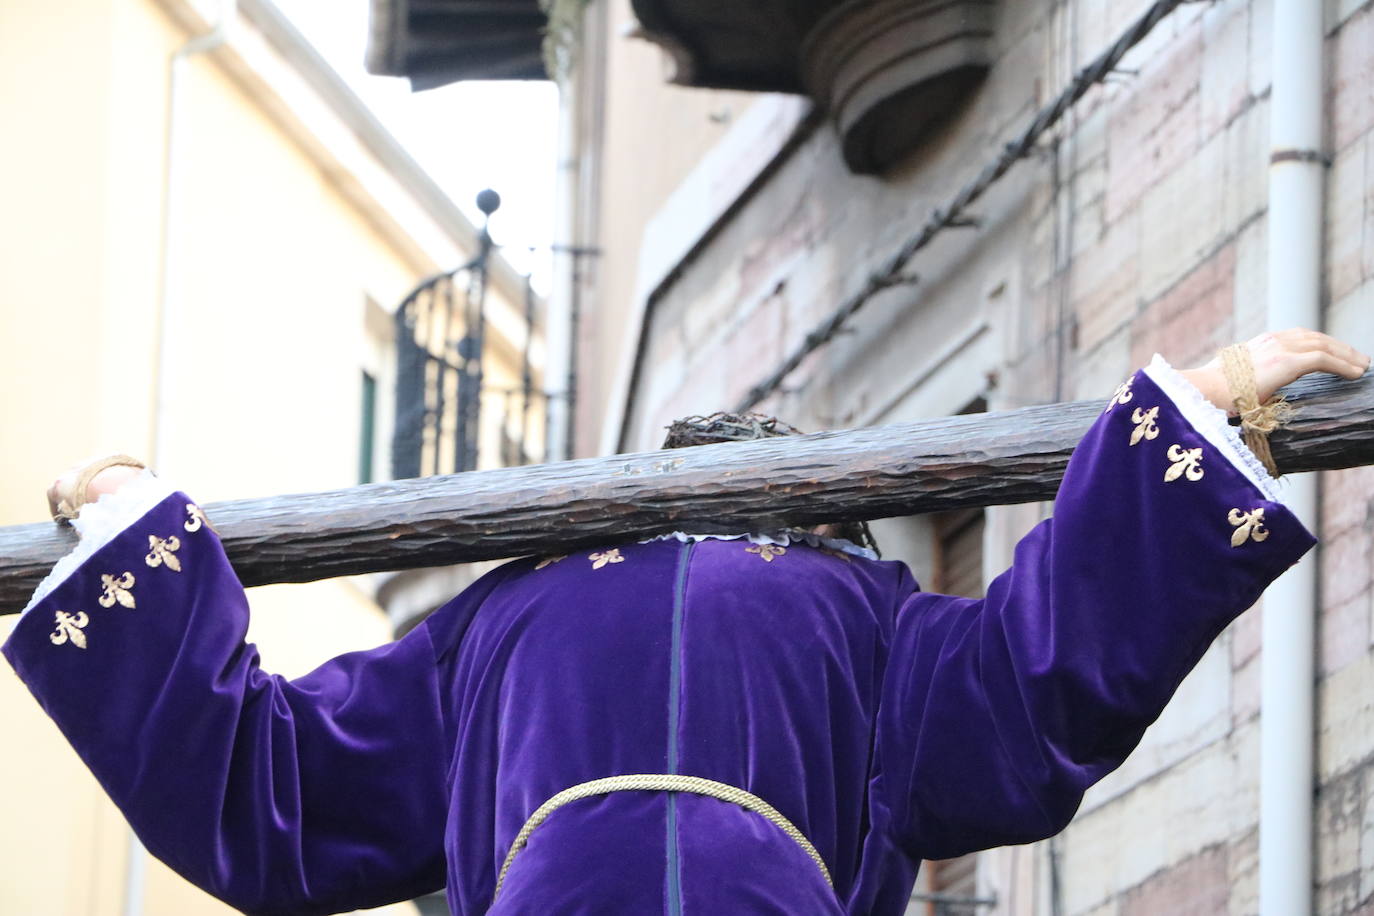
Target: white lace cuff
[1212, 424]
[100, 522]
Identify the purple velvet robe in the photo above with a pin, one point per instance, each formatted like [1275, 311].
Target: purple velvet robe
[889, 725]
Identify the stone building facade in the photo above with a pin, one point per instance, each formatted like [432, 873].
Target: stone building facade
[728, 223]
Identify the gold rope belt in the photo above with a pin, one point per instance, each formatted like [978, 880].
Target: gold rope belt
[659, 782]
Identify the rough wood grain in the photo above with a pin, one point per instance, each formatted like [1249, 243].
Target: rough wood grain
[902, 469]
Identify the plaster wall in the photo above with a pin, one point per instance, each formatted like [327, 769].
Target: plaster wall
[650, 136]
[276, 264]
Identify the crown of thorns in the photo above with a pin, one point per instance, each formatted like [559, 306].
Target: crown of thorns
[746, 427]
[725, 427]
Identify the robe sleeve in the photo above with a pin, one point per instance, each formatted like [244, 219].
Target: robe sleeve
[997, 714]
[306, 796]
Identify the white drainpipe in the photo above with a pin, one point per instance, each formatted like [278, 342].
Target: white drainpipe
[1287, 723]
[172, 168]
[558, 329]
[136, 865]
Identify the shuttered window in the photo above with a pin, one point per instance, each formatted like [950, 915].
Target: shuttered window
[959, 553]
[952, 886]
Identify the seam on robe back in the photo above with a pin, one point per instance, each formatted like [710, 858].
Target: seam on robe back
[673, 873]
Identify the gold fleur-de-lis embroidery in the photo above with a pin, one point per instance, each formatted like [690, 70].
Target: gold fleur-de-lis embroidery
[610, 556]
[117, 590]
[1249, 526]
[196, 518]
[1186, 461]
[1145, 427]
[1122, 394]
[766, 551]
[549, 561]
[161, 550]
[69, 627]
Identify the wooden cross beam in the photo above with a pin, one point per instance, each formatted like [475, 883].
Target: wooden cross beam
[903, 469]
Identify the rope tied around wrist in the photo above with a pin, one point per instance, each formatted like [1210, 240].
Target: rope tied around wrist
[66, 510]
[1257, 420]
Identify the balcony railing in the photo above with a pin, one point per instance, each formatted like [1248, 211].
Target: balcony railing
[441, 397]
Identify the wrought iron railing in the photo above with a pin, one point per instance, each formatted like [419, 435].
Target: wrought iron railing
[440, 332]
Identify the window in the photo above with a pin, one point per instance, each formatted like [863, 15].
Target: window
[958, 546]
[377, 399]
[950, 887]
[367, 428]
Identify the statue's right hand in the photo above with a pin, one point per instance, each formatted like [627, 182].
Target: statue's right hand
[109, 480]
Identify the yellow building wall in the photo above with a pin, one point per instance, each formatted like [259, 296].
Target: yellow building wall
[51, 238]
[275, 268]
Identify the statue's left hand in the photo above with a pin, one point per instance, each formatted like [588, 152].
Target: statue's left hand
[1281, 357]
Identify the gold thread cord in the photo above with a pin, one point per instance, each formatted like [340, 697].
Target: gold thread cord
[1257, 420]
[658, 782]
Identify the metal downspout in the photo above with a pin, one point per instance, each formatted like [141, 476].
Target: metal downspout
[135, 874]
[1287, 722]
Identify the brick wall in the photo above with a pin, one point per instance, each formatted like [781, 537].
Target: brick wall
[1142, 230]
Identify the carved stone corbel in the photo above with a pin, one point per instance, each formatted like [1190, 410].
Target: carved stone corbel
[889, 70]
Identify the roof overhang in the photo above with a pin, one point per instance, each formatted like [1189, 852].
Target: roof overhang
[751, 46]
[887, 71]
[435, 42]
